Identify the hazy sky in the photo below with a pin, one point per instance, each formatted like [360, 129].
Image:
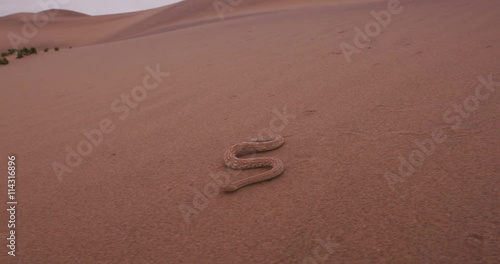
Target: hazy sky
[91, 7]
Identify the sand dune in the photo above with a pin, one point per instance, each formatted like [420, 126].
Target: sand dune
[56, 27]
[62, 13]
[388, 158]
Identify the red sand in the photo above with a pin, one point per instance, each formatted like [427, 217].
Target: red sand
[351, 123]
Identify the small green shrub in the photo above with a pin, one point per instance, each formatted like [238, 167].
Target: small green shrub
[5, 54]
[20, 55]
[11, 51]
[33, 50]
[4, 61]
[56, 49]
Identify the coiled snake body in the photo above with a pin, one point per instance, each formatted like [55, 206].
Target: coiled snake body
[256, 145]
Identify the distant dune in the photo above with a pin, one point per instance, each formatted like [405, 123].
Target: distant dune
[107, 28]
[63, 13]
[50, 13]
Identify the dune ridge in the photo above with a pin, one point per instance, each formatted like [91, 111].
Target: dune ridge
[108, 28]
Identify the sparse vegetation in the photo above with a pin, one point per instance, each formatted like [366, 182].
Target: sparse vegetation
[21, 53]
[9, 52]
[26, 52]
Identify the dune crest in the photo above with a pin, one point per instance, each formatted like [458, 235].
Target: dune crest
[59, 29]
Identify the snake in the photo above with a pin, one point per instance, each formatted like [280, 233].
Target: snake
[232, 160]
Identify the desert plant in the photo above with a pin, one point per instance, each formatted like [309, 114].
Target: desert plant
[56, 49]
[46, 49]
[20, 55]
[33, 50]
[5, 54]
[11, 51]
[24, 51]
[4, 61]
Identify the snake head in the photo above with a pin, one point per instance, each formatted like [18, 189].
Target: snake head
[230, 188]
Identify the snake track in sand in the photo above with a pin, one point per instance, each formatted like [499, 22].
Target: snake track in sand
[256, 145]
